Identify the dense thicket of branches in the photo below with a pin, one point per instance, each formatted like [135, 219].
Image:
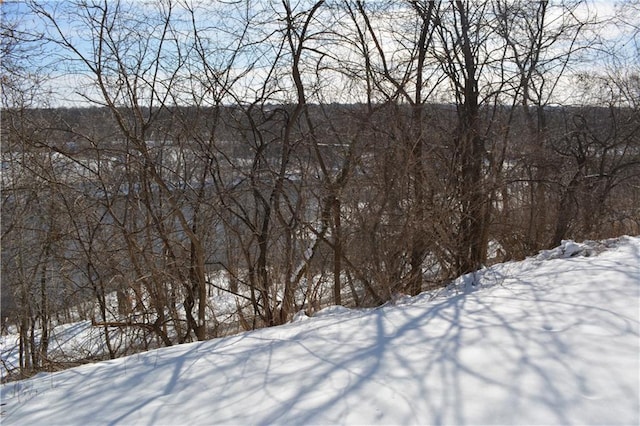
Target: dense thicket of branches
[297, 155]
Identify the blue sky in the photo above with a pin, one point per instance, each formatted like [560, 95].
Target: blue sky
[221, 27]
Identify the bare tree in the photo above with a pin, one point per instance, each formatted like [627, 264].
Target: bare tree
[286, 155]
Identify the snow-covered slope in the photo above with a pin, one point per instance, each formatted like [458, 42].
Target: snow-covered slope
[550, 340]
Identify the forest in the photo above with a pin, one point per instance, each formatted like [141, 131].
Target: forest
[288, 156]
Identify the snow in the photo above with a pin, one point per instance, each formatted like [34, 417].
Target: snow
[553, 339]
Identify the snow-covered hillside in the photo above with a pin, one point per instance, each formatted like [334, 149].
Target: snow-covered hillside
[550, 340]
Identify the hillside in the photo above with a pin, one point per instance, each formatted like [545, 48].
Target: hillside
[553, 339]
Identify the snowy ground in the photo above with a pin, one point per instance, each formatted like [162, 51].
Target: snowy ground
[550, 340]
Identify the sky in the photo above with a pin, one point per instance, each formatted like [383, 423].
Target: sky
[229, 45]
